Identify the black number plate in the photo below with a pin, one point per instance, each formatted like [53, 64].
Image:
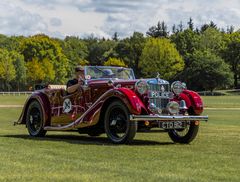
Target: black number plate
[172, 125]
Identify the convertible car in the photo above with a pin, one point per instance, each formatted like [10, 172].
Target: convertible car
[114, 102]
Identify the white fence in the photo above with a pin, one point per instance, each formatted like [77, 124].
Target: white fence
[16, 93]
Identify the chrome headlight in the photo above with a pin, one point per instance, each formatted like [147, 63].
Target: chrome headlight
[173, 107]
[141, 86]
[177, 87]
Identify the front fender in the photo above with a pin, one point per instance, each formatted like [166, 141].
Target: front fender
[193, 100]
[127, 96]
[135, 104]
[43, 101]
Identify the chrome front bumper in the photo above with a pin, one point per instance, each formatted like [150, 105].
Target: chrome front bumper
[167, 118]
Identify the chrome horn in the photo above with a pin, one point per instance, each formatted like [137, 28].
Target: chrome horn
[182, 105]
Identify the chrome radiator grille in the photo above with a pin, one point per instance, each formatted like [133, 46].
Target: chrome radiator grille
[158, 95]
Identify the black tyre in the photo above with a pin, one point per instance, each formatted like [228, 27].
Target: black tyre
[186, 135]
[118, 127]
[35, 120]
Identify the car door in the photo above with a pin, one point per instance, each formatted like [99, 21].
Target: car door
[66, 108]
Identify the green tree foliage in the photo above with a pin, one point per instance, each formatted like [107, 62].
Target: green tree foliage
[114, 62]
[75, 49]
[210, 25]
[41, 47]
[100, 51]
[39, 58]
[208, 72]
[115, 36]
[160, 55]
[7, 70]
[190, 24]
[35, 72]
[40, 71]
[130, 49]
[232, 54]
[211, 39]
[48, 69]
[160, 30]
[186, 42]
[20, 67]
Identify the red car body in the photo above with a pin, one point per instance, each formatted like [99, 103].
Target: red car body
[88, 109]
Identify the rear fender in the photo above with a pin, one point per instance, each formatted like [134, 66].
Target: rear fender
[43, 101]
[193, 100]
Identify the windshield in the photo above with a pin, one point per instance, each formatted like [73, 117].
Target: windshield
[102, 72]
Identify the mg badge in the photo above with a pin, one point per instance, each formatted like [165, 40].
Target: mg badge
[67, 106]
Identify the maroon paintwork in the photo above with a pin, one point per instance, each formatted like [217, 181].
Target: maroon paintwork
[88, 104]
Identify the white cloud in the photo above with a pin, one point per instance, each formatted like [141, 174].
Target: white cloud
[55, 22]
[104, 17]
[16, 21]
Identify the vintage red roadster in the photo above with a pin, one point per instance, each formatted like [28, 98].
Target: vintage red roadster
[112, 101]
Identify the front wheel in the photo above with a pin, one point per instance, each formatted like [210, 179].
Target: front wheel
[185, 135]
[118, 127]
[34, 120]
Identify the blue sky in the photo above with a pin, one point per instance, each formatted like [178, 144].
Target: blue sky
[59, 18]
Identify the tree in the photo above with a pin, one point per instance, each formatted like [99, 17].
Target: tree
[160, 55]
[20, 67]
[160, 30]
[75, 49]
[130, 49]
[7, 70]
[114, 62]
[210, 25]
[101, 51]
[40, 47]
[186, 42]
[180, 27]
[232, 54]
[35, 72]
[230, 29]
[190, 24]
[211, 39]
[208, 72]
[48, 69]
[115, 36]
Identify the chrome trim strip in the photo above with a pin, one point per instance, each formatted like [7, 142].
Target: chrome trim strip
[167, 118]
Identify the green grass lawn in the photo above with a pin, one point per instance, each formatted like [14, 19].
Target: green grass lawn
[68, 156]
[13, 100]
[222, 101]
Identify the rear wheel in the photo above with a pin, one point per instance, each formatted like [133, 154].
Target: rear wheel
[34, 120]
[118, 127]
[185, 135]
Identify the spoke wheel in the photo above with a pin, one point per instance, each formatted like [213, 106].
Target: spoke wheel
[34, 120]
[118, 127]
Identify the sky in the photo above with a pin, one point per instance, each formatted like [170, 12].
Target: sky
[102, 18]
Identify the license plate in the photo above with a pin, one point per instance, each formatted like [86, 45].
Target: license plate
[172, 125]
